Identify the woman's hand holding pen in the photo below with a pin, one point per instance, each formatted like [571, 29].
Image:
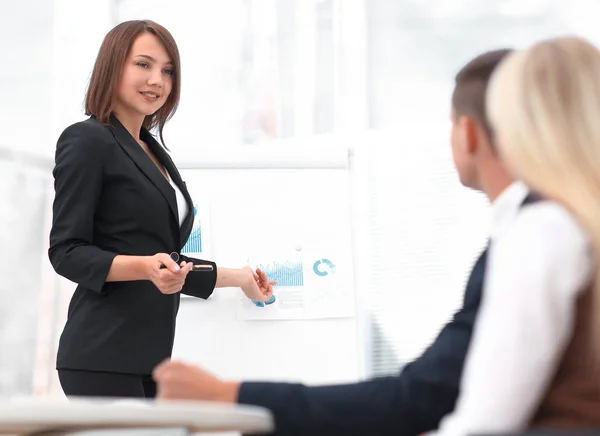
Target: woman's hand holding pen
[166, 275]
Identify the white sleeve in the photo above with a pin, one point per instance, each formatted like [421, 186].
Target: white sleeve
[534, 275]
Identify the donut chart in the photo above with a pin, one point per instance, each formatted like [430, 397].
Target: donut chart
[323, 267]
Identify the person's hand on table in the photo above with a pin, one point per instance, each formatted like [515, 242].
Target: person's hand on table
[176, 380]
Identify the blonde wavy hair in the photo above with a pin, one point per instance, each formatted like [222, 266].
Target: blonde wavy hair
[544, 106]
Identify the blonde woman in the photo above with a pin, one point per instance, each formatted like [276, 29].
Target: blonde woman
[542, 369]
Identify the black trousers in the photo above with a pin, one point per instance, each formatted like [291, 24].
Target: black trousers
[76, 383]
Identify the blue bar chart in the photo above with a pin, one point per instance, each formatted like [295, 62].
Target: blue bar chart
[288, 273]
[194, 242]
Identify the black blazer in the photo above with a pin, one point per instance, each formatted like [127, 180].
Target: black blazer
[110, 199]
[407, 404]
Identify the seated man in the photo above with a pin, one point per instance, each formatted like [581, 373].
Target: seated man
[426, 390]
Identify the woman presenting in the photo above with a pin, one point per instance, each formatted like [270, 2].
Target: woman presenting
[121, 215]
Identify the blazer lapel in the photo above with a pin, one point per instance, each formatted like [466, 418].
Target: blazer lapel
[144, 163]
[163, 156]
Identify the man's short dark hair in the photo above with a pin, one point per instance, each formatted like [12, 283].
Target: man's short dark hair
[470, 86]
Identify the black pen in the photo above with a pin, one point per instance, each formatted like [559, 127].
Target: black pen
[195, 268]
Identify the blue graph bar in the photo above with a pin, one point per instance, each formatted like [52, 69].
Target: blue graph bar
[289, 273]
[194, 242]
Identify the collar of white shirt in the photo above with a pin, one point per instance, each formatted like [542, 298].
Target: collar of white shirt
[506, 207]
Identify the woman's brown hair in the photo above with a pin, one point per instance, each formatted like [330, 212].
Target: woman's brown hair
[108, 68]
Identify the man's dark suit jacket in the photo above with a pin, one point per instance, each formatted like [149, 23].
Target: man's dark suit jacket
[411, 403]
[408, 404]
[110, 199]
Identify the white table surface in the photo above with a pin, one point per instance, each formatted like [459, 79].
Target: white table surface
[26, 416]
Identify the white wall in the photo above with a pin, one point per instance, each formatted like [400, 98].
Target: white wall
[26, 45]
[79, 28]
[48, 49]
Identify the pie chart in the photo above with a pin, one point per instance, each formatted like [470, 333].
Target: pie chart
[323, 267]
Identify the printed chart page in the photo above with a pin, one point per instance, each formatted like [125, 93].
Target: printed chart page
[292, 224]
[312, 282]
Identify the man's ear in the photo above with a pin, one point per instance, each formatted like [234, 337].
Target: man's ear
[470, 140]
